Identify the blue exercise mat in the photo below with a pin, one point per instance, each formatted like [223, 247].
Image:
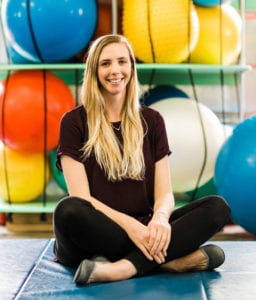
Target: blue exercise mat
[18, 257]
[234, 280]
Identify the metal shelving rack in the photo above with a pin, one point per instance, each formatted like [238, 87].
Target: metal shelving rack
[163, 74]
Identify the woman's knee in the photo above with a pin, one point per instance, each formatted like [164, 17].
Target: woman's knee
[220, 209]
[69, 207]
[220, 204]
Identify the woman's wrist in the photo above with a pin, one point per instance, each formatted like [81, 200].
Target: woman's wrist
[161, 214]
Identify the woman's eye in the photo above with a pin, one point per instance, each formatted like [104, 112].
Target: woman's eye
[104, 63]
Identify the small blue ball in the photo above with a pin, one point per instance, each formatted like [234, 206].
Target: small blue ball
[210, 3]
[161, 92]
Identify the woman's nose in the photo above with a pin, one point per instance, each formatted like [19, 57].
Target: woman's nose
[115, 68]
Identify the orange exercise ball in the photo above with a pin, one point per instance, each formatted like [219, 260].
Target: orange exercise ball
[161, 31]
[220, 35]
[23, 176]
[31, 106]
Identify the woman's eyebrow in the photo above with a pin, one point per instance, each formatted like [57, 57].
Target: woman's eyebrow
[109, 59]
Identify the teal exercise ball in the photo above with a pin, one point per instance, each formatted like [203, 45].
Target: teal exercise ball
[235, 174]
[48, 31]
[56, 173]
[210, 3]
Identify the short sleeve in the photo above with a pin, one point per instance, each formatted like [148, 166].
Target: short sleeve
[156, 142]
[72, 135]
[161, 140]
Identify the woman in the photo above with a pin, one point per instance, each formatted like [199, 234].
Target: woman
[119, 219]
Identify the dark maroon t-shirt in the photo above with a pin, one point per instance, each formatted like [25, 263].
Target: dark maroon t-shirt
[132, 197]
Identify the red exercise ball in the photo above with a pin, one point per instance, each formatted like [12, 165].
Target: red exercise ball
[31, 106]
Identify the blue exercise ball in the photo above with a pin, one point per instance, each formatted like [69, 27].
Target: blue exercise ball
[15, 58]
[49, 31]
[235, 174]
[210, 3]
[161, 92]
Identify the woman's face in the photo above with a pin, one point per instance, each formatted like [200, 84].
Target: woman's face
[114, 68]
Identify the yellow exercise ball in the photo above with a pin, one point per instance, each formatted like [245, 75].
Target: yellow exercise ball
[195, 136]
[161, 31]
[220, 35]
[23, 176]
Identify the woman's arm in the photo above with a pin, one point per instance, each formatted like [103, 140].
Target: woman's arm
[78, 186]
[160, 229]
[164, 199]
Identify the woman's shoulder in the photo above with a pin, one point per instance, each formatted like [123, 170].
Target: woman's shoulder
[77, 110]
[148, 111]
[150, 115]
[76, 113]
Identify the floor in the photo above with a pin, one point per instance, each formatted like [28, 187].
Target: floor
[234, 280]
[233, 232]
[26, 269]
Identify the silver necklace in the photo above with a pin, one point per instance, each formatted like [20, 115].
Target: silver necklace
[116, 128]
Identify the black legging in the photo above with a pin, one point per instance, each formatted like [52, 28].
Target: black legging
[81, 232]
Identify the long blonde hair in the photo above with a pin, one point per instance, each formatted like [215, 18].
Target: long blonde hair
[118, 161]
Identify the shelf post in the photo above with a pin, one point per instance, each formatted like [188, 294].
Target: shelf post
[114, 10]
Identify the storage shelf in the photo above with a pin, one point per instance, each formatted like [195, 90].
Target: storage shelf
[147, 73]
[152, 74]
[185, 73]
[140, 67]
[38, 206]
[35, 206]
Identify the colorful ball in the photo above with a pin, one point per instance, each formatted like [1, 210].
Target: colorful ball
[206, 189]
[195, 136]
[161, 92]
[235, 174]
[57, 174]
[47, 31]
[104, 24]
[15, 58]
[31, 106]
[161, 31]
[210, 3]
[220, 36]
[23, 176]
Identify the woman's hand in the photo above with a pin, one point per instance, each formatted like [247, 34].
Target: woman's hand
[159, 236]
[153, 240]
[140, 236]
